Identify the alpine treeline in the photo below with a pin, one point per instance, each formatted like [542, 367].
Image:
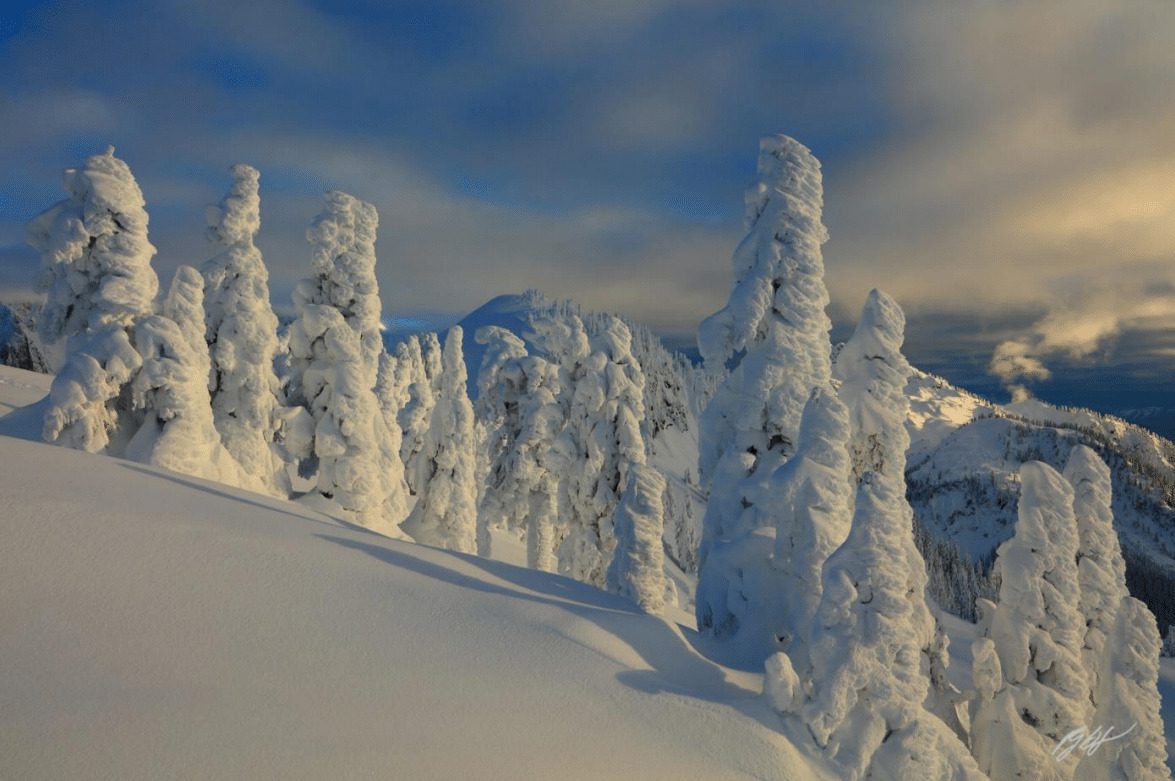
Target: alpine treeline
[809, 564]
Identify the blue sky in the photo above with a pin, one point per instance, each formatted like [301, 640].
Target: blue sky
[1004, 169]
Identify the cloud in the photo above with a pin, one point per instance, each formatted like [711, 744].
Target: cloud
[980, 158]
[1081, 327]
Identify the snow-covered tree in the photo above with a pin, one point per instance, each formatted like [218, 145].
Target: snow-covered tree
[170, 390]
[1168, 649]
[346, 445]
[446, 510]
[775, 327]
[863, 683]
[343, 242]
[865, 708]
[814, 489]
[95, 257]
[333, 373]
[96, 271]
[241, 331]
[637, 570]
[1003, 745]
[602, 399]
[500, 388]
[1037, 627]
[522, 489]
[1101, 570]
[416, 413]
[1128, 703]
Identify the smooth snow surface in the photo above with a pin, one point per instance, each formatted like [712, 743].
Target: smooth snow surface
[160, 626]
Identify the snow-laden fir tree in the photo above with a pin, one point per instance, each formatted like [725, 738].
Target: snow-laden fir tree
[416, 414]
[1128, 702]
[1101, 570]
[866, 685]
[96, 271]
[446, 509]
[343, 241]
[1037, 632]
[522, 490]
[241, 331]
[499, 383]
[637, 569]
[1003, 746]
[352, 470]
[775, 320]
[333, 375]
[170, 390]
[814, 488]
[872, 374]
[95, 256]
[602, 398]
[864, 677]
[431, 357]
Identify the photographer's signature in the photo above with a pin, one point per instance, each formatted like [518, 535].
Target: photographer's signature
[1087, 741]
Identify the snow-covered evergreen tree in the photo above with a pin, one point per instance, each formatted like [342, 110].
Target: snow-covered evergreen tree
[1101, 570]
[343, 239]
[637, 570]
[1128, 703]
[96, 271]
[170, 390]
[500, 383]
[522, 489]
[346, 445]
[864, 681]
[867, 684]
[241, 331]
[1037, 628]
[333, 374]
[95, 257]
[416, 414]
[446, 510]
[775, 320]
[814, 489]
[602, 398]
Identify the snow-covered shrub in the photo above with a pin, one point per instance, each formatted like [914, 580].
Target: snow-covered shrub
[241, 331]
[446, 510]
[637, 570]
[775, 326]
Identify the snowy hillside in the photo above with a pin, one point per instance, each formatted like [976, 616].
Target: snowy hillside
[963, 483]
[157, 625]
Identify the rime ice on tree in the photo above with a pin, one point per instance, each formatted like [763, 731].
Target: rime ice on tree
[775, 320]
[241, 331]
[97, 273]
[446, 510]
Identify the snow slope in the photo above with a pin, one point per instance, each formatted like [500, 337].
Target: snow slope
[160, 626]
[19, 388]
